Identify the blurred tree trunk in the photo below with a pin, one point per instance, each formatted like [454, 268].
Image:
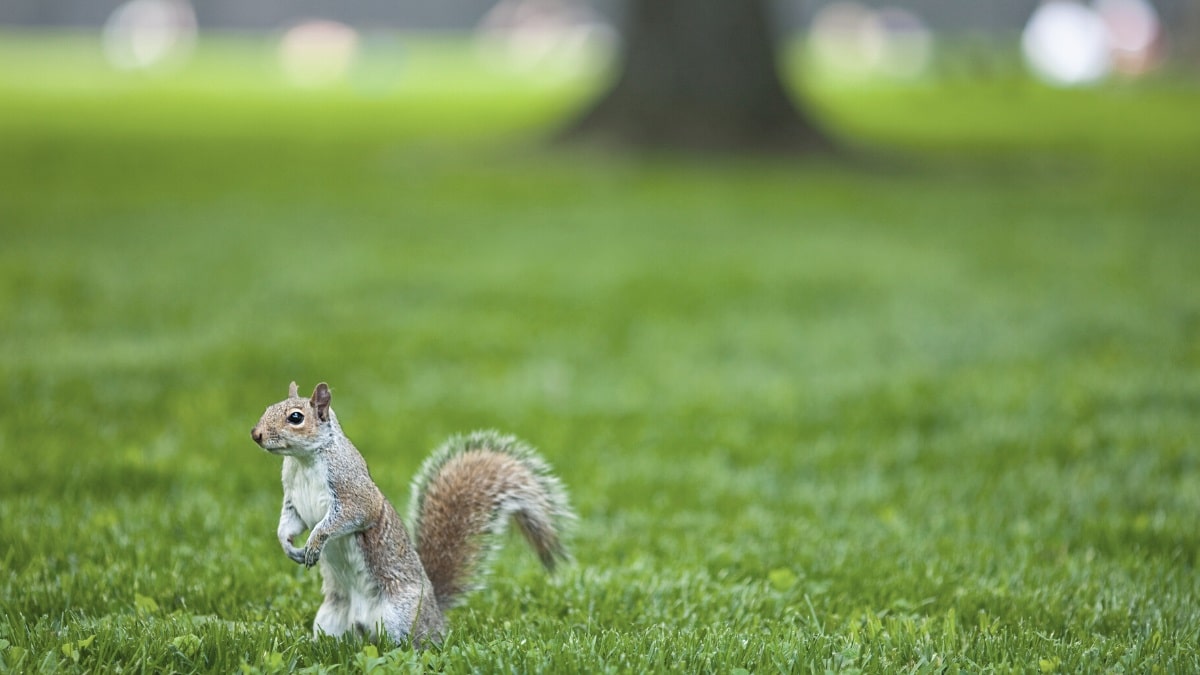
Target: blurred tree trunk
[699, 75]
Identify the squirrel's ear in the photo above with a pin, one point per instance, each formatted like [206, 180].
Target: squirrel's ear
[293, 391]
[320, 401]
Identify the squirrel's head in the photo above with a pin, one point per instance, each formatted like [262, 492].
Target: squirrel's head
[296, 426]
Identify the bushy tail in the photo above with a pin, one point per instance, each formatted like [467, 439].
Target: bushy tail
[462, 499]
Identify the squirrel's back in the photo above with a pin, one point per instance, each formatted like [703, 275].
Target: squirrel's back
[463, 497]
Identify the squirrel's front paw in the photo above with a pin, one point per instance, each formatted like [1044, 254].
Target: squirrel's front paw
[309, 556]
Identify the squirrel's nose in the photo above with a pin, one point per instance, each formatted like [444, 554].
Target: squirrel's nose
[256, 435]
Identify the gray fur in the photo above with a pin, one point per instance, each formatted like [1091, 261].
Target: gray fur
[373, 576]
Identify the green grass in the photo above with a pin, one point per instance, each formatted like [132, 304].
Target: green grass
[935, 411]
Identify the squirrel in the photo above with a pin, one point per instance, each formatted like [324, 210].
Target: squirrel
[376, 579]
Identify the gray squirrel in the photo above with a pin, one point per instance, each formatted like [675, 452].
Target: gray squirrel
[376, 579]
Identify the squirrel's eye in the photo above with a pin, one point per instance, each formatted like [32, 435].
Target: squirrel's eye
[296, 417]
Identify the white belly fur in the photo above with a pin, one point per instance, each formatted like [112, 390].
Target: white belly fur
[353, 600]
[309, 489]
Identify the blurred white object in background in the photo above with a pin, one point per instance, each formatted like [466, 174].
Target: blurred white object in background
[843, 40]
[1135, 34]
[907, 43]
[317, 52]
[1068, 43]
[526, 34]
[852, 42]
[145, 34]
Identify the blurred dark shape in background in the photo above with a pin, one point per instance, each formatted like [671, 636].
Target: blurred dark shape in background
[699, 76]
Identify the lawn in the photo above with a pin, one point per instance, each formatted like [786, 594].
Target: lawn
[934, 408]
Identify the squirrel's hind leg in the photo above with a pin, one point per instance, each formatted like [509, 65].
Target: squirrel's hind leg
[416, 617]
[333, 618]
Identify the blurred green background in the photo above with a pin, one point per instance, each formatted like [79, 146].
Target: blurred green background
[927, 403]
